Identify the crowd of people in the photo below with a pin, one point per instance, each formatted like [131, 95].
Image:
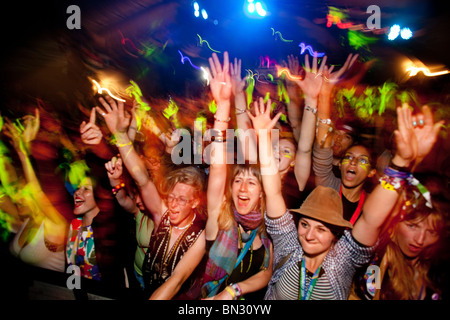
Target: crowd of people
[303, 208]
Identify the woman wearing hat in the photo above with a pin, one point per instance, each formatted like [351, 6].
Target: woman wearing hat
[319, 260]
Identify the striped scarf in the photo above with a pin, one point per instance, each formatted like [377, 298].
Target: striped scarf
[224, 252]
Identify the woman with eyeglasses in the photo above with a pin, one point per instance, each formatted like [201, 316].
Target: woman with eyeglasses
[177, 244]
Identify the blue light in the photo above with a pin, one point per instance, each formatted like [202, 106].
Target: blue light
[196, 14]
[251, 7]
[196, 7]
[394, 31]
[406, 33]
[204, 14]
[260, 10]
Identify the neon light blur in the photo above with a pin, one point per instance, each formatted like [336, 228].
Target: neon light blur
[100, 91]
[280, 71]
[415, 70]
[311, 51]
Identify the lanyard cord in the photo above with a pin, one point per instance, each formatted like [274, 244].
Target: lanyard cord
[305, 293]
[359, 208]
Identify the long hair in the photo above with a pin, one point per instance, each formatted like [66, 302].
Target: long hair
[226, 215]
[396, 266]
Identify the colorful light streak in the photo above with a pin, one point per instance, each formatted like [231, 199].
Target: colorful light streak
[311, 51]
[187, 58]
[280, 71]
[100, 91]
[281, 36]
[415, 70]
[201, 42]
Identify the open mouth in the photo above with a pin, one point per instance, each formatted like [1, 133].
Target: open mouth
[414, 249]
[78, 202]
[243, 200]
[350, 174]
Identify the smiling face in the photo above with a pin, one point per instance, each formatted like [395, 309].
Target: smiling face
[414, 236]
[246, 192]
[181, 203]
[355, 167]
[314, 236]
[84, 199]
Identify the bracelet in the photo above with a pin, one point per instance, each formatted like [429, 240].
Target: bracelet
[120, 145]
[324, 121]
[238, 290]
[313, 110]
[395, 167]
[228, 120]
[117, 188]
[231, 292]
[241, 111]
[218, 135]
[134, 128]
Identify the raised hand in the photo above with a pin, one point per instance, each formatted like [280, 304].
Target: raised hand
[332, 78]
[237, 83]
[22, 135]
[220, 81]
[116, 118]
[312, 82]
[415, 136]
[114, 168]
[90, 132]
[261, 119]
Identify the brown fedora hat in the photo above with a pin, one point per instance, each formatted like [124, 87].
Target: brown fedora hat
[324, 204]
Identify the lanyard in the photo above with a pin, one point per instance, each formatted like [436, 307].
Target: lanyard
[305, 293]
[358, 209]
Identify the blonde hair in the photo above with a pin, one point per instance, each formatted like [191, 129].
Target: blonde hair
[226, 216]
[401, 273]
[190, 176]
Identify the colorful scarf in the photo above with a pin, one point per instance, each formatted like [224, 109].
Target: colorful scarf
[224, 252]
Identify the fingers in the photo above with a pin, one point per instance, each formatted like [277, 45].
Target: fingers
[226, 63]
[314, 68]
[307, 66]
[92, 117]
[212, 71]
[106, 105]
[323, 64]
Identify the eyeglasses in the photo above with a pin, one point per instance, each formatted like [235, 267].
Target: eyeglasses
[362, 160]
[181, 201]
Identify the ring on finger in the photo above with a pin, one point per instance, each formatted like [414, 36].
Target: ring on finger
[414, 123]
[421, 122]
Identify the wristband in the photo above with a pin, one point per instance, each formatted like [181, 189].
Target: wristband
[238, 290]
[313, 110]
[117, 188]
[324, 121]
[120, 145]
[231, 292]
[395, 167]
[218, 120]
[241, 111]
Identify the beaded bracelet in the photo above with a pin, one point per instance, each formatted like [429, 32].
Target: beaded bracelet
[117, 188]
[238, 290]
[324, 121]
[218, 120]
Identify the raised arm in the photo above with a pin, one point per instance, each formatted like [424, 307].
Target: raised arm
[21, 138]
[117, 121]
[330, 80]
[271, 179]
[114, 171]
[414, 142]
[310, 85]
[243, 122]
[293, 107]
[220, 84]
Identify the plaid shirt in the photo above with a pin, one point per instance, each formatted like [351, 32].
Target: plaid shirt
[340, 263]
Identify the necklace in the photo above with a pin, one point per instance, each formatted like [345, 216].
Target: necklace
[186, 226]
